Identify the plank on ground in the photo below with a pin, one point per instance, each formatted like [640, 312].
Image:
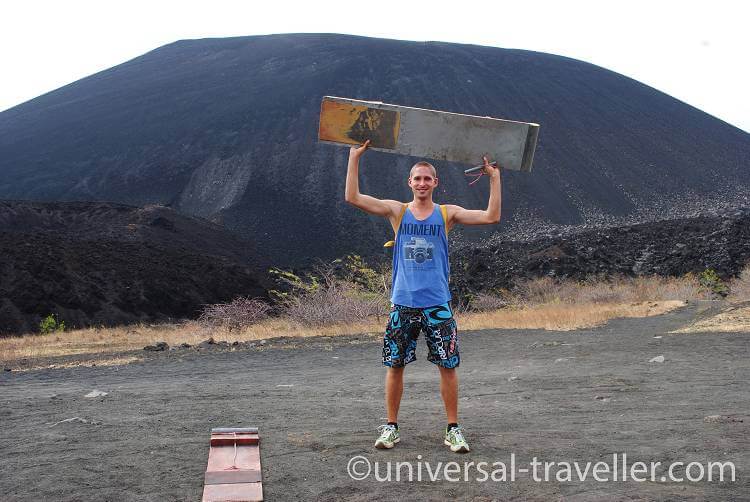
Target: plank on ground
[233, 472]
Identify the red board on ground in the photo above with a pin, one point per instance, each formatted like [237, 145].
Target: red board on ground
[233, 472]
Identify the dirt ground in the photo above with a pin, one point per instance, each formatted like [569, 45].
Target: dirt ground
[559, 396]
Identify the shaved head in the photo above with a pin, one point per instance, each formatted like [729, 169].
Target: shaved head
[423, 164]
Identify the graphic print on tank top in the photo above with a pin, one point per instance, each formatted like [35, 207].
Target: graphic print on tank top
[418, 252]
[420, 261]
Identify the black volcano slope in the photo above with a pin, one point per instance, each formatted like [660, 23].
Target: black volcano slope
[106, 264]
[226, 129]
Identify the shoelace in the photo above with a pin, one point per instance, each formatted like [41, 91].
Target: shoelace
[458, 433]
[389, 428]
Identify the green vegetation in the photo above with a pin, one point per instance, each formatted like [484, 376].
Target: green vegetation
[290, 284]
[710, 280]
[50, 324]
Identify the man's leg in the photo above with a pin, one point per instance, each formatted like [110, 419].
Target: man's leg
[442, 340]
[399, 345]
[449, 391]
[394, 389]
[454, 436]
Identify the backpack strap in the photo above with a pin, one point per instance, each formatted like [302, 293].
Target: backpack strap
[444, 212]
[392, 243]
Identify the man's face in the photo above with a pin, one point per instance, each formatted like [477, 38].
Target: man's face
[422, 183]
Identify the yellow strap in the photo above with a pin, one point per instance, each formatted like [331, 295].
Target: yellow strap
[444, 212]
[392, 243]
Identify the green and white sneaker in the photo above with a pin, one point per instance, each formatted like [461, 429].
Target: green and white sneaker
[455, 439]
[389, 436]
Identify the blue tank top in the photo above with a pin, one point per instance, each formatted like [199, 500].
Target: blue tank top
[420, 262]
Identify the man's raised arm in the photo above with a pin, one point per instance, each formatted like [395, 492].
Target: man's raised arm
[379, 207]
[459, 215]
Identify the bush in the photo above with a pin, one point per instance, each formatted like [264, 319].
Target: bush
[710, 280]
[237, 314]
[291, 285]
[336, 299]
[482, 302]
[50, 325]
[360, 273]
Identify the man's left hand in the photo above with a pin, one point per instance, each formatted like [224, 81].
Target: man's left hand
[490, 170]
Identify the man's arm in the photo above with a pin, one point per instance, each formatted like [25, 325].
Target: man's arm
[459, 215]
[379, 207]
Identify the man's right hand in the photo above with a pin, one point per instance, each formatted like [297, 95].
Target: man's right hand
[357, 151]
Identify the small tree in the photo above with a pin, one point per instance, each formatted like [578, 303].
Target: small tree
[710, 280]
[50, 324]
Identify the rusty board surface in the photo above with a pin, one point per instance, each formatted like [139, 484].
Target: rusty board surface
[353, 124]
[428, 134]
[233, 471]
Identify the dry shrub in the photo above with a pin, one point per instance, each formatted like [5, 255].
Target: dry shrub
[739, 287]
[334, 301]
[483, 302]
[237, 314]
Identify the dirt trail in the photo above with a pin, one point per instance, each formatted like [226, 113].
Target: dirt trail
[560, 396]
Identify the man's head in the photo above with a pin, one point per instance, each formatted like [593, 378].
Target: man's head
[423, 180]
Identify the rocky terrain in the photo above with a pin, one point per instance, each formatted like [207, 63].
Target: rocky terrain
[97, 263]
[718, 240]
[105, 264]
[226, 129]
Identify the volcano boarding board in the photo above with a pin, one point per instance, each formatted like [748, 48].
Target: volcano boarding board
[428, 133]
[233, 472]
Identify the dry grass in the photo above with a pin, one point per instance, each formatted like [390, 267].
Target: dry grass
[538, 304]
[616, 290]
[731, 320]
[739, 287]
[111, 361]
[90, 341]
[563, 316]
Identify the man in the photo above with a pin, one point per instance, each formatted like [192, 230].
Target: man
[420, 296]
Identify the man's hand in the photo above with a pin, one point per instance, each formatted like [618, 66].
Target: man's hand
[460, 216]
[357, 151]
[490, 170]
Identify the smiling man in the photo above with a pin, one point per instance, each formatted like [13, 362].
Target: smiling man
[420, 296]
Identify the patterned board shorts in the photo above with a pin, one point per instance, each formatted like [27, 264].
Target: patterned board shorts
[402, 332]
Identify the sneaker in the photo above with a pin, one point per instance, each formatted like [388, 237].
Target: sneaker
[455, 439]
[389, 436]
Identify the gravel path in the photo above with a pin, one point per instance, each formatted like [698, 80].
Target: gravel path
[560, 396]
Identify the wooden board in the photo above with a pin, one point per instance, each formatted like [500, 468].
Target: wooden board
[431, 134]
[233, 471]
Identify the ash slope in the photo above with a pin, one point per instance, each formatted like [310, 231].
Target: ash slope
[103, 263]
[226, 129]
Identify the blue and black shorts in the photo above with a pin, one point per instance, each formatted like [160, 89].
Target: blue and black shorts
[402, 332]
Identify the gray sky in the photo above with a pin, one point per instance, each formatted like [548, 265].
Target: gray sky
[694, 51]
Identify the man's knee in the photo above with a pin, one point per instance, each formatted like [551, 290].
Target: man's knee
[447, 372]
